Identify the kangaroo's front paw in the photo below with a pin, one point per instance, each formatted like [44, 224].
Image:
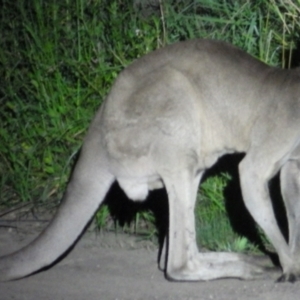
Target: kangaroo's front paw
[291, 271]
[288, 277]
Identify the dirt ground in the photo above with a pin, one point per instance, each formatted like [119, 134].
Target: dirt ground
[119, 267]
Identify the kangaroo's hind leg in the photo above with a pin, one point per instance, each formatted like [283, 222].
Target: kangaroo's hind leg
[184, 262]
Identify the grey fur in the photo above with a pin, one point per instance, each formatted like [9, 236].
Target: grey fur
[169, 116]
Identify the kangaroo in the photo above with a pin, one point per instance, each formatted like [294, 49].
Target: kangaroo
[168, 117]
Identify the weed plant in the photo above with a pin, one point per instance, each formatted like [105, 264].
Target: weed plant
[58, 60]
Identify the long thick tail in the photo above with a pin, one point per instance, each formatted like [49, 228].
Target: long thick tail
[86, 191]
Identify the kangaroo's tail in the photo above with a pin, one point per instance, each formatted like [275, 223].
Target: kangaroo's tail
[85, 192]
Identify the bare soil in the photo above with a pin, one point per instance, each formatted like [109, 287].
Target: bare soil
[120, 267]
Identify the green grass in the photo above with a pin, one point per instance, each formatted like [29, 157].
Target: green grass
[214, 229]
[58, 60]
[210, 214]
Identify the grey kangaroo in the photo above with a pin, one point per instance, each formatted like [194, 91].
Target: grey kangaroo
[168, 117]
